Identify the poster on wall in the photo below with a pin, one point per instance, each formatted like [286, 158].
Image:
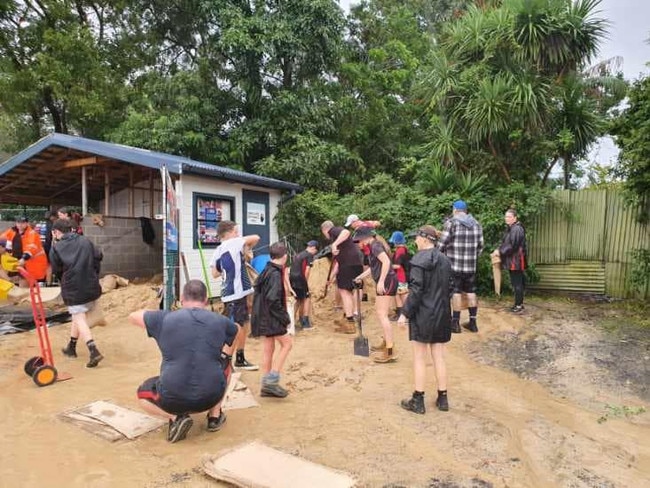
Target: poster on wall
[210, 210]
[255, 213]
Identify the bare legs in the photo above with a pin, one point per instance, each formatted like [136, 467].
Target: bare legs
[382, 305]
[421, 352]
[268, 349]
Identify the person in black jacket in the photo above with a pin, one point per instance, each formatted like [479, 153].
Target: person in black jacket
[76, 260]
[270, 320]
[514, 254]
[429, 312]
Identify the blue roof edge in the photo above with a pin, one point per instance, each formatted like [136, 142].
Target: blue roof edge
[144, 157]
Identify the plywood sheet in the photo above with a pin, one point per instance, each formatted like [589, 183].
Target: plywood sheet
[93, 426]
[238, 395]
[128, 422]
[256, 465]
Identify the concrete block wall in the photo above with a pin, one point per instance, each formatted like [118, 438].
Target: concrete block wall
[125, 253]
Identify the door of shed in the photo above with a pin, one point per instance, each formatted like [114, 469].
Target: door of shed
[256, 218]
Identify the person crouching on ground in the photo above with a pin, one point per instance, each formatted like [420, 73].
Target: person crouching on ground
[386, 280]
[77, 261]
[270, 320]
[429, 313]
[196, 348]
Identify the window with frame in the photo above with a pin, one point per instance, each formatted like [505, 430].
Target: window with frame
[208, 211]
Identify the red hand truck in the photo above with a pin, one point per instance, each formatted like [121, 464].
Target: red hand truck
[41, 368]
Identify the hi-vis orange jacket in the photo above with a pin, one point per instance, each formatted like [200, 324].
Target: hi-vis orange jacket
[36, 261]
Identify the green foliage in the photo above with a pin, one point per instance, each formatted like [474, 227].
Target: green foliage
[639, 277]
[618, 411]
[632, 131]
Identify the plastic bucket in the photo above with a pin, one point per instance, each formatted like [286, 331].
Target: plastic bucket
[259, 262]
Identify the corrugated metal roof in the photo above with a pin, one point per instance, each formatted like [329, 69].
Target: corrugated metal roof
[144, 157]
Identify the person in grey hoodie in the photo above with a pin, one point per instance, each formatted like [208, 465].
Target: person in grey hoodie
[462, 242]
[429, 317]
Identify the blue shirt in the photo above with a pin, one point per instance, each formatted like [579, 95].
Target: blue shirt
[190, 341]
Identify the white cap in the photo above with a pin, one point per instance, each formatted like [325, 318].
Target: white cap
[351, 219]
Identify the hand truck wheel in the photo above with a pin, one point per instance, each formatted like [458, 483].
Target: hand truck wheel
[32, 364]
[45, 375]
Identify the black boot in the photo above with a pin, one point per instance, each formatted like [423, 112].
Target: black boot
[414, 404]
[455, 326]
[442, 403]
[471, 326]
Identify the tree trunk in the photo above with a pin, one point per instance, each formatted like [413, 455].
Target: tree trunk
[548, 170]
[567, 171]
[57, 119]
[502, 167]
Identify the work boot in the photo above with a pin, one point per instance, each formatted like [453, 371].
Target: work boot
[69, 351]
[95, 358]
[455, 326]
[414, 404]
[471, 326]
[384, 356]
[442, 402]
[345, 327]
[379, 347]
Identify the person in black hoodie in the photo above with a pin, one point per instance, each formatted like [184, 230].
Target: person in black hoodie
[513, 252]
[76, 260]
[270, 320]
[429, 312]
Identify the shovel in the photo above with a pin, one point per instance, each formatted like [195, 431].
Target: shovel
[360, 342]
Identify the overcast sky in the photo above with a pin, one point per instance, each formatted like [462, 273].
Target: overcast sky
[630, 27]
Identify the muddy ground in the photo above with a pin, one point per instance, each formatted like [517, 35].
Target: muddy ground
[550, 398]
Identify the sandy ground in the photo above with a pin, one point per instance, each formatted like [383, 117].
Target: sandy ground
[509, 425]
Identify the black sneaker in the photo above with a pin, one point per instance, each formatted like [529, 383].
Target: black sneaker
[245, 365]
[179, 428]
[442, 403]
[517, 309]
[69, 352]
[273, 390]
[471, 326]
[414, 404]
[455, 326]
[95, 358]
[215, 423]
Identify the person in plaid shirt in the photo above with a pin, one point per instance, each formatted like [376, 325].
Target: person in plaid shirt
[462, 242]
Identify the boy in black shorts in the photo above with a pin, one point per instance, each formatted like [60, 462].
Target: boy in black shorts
[299, 279]
[382, 272]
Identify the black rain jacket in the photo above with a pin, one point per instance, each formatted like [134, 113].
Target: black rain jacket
[77, 261]
[427, 306]
[269, 315]
[513, 251]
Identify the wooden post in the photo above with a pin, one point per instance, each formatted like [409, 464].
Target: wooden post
[84, 192]
[107, 191]
[151, 202]
[131, 193]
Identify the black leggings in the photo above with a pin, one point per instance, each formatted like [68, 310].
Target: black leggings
[517, 278]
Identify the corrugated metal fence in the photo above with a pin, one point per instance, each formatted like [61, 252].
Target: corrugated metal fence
[583, 243]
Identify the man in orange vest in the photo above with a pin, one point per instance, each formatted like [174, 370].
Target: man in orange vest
[26, 246]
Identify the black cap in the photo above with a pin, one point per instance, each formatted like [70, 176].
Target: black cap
[426, 231]
[22, 219]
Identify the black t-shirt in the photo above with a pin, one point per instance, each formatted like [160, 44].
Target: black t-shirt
[349, 253]
[300, 263]
[190, 341]
[376, 249]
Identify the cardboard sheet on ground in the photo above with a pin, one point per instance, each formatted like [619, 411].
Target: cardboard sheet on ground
[238, 395]
[256, 465]
[111, 421]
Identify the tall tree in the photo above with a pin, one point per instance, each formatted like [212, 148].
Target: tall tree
[507, 82]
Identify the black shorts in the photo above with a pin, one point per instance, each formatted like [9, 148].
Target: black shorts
[300, 286]
[390, 285]
[464, 282]
[237, 311]
[150, 391]
[346, 275]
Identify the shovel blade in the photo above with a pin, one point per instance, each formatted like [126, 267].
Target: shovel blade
[361, 347]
